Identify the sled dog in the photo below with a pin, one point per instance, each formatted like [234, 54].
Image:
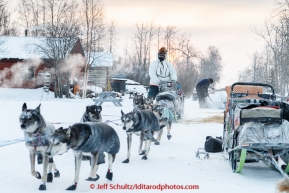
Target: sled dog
[88, 138]
[148, 103]
[138, 102]
[37, 133]
[142, 123]
[165, 117]
[92, 114]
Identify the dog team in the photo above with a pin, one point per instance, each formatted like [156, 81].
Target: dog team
[89, 138]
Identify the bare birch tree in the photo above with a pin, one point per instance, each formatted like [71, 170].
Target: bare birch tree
[32, 14]
[159, 34]
[62, 29]
[186, 64]
[111, 36]
[7, 28]
[211, 64]
[142, 42]
[93, 33]
[169, 35]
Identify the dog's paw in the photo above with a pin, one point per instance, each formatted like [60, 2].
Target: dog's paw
[42, 187]
[93, 179]
[169, 137]
[49, 177]
[157, 143]
[109, 176]
[143, 152]
[56, 174]
[154, 140]
[38, 175]
[39, 159]
[125, 161]
[72, 187]
[144, 157]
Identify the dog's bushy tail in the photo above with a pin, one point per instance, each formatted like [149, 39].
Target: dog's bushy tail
[283, 186]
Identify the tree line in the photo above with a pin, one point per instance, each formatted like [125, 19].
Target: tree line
[191, 64]
[62, 21]
[271, 65]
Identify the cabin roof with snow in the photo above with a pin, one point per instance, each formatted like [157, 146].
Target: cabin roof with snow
[23, 47]
[127, 81]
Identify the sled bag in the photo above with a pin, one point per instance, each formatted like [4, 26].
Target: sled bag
[165, 96]
[213, 145]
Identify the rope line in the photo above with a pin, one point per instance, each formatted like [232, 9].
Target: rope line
[10, 142]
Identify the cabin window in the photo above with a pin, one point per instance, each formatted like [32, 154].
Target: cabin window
[31, 73]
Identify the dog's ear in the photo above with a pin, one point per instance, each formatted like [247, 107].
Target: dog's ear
[87, 108]
[100, 108]
[37, 110]
[122, 113]
[68, 132]
[59, 129]
[24, 107]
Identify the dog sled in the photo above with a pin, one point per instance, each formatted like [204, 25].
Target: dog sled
[171, 97]
[256, 127]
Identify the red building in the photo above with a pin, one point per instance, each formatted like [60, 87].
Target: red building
[23, 64]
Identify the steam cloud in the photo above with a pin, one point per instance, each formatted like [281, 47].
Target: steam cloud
[73, 64]
[18, 73]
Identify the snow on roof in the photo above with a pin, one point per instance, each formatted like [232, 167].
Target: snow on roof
[20, 47]
[128, 81]
[118, 79]
[101, 59]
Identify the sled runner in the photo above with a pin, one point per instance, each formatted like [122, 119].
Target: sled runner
[256, 127]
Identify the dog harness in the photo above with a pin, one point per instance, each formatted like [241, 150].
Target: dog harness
[36, 139]
[167, 114]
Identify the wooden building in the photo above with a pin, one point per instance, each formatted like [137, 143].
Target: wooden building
[101, 63]
[22, 66]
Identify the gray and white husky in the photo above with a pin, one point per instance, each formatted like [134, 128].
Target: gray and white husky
[37, 133]
[88, 138]
[138, 102]
[148, 103]
[143, 123]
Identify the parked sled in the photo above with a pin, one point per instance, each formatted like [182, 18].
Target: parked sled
[256, 127]
[171, 97]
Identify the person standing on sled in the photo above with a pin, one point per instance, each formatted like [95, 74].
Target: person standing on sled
[202, 90]
[160, 70]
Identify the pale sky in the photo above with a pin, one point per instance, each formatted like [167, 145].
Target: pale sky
[227, 24]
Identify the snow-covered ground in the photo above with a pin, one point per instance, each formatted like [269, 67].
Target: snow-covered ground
[171, 163]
